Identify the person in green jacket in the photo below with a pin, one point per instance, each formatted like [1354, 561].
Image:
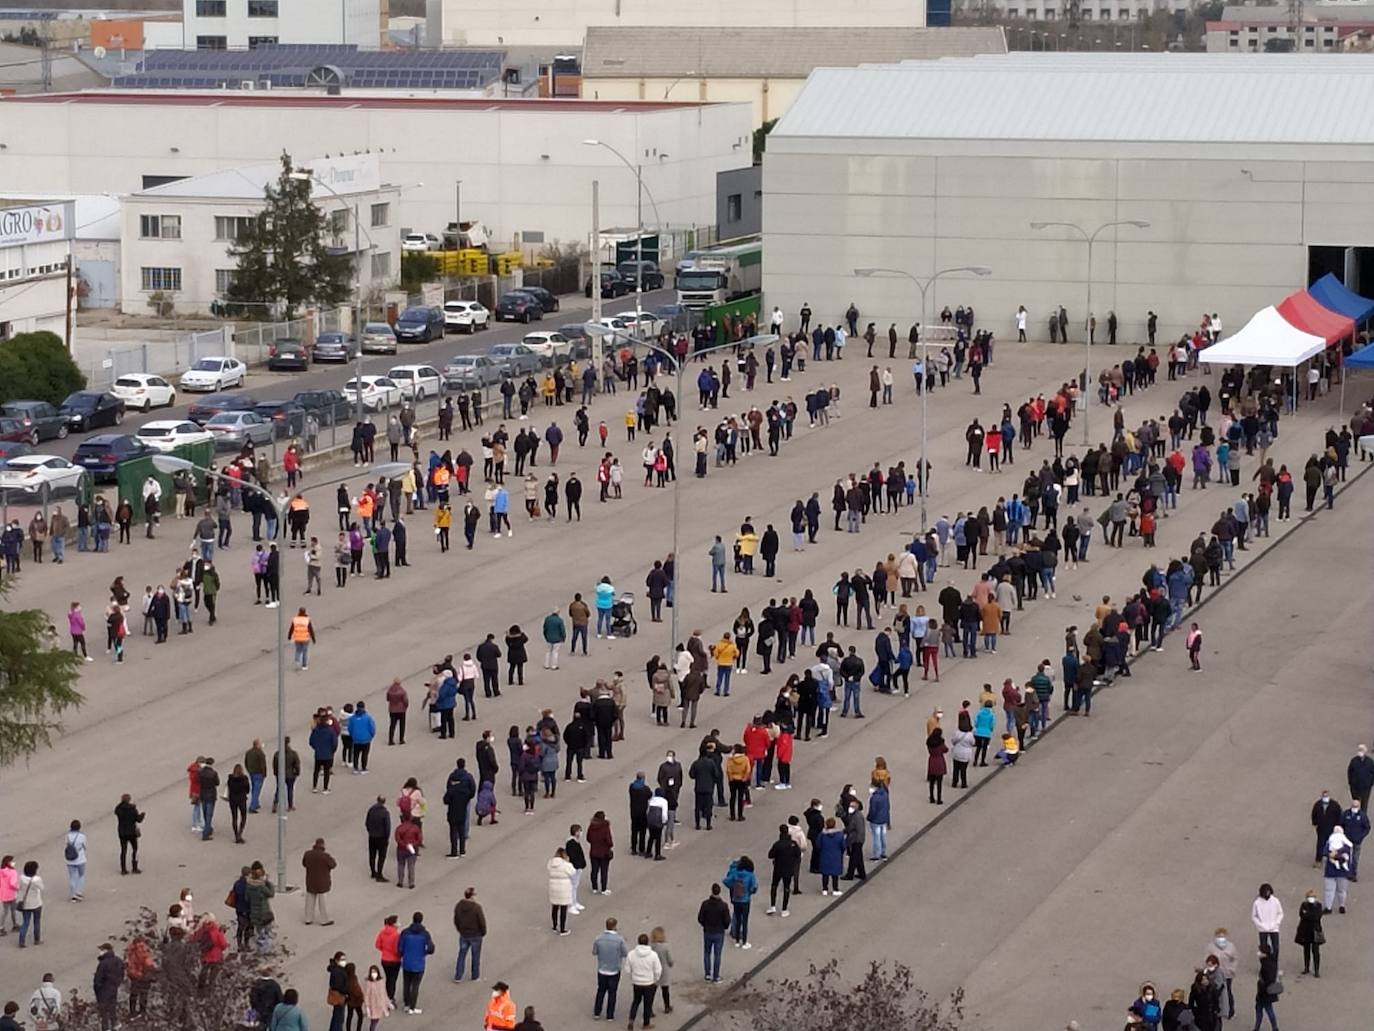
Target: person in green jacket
[260, 915]
[287, 1015]
[209, 588]
[555, 633]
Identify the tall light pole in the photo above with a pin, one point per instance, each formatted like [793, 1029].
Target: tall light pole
[596, 329]
[640, 192]
[1090, 238]
[923, 285]
[685, 75]
[173, 464]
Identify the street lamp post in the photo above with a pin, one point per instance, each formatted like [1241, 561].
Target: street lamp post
[923, 285]
[173, 464]
[1091, 238]
[640, 192]
[680, 367]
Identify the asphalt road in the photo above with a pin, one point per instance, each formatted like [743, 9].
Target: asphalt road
[214, 692]
[271, 386]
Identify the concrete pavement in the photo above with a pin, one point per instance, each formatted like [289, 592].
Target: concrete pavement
[148, 720]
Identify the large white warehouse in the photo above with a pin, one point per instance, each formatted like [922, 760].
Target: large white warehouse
[524, 166]
[1253, 174]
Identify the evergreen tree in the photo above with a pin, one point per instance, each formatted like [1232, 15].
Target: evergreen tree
[37, 681]
[282, 255]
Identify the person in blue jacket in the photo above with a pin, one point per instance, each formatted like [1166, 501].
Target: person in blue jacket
[324, 742]
[1180, 582]
[500, 512]
[741, 884]
[445, 701]
[879, 819]
[414, 945]
[830, 852]
[605, 597]
[362, 728]
[984, 726]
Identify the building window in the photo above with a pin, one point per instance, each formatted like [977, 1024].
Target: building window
[262, 8]
[210, 8]
[212, 42]
[381, 265]
[261, 41]
[231, 227]
[734, 207]
[159, 278]
[380, 214]
[338, 222]
[159, 227]
[224, 279]
[1050, 14]
[1013, 12]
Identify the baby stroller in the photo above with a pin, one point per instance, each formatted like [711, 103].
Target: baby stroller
[623, 616]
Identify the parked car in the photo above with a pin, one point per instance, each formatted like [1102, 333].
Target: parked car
[203, 410]
[579, 343]
[514, 360]
[420, 242]
[288, 355]
[328, 406]
[14, 431]
[167, 434]
[286, 417]
[612, 284]
[644, 325]
[13, 449]
[649, 271]
[334, 347]
[41, 419]
[466, 316]
[103, 454]
[547, 344]
[544, 298]
[379, 338]
[234, 429]
[518, 307]
[420, 325]
[145, 391]
[29, 474]
[84, 410]
[378, 392]
[210, 374]
[470, 372]
[417, 382]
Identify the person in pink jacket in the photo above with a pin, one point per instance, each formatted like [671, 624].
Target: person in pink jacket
[9, 891]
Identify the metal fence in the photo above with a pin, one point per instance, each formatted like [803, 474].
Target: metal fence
[162, 357]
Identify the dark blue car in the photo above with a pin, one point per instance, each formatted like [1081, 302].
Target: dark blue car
[102, 454]
[420, 325]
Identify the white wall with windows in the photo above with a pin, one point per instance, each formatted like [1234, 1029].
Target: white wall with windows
[35, 246]
[239, 24]
[176, 237]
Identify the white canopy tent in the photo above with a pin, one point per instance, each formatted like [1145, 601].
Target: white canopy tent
[1267, 339]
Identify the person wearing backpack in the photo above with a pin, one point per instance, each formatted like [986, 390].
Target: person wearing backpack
[657, 817]
[74, 852]
[742, 885]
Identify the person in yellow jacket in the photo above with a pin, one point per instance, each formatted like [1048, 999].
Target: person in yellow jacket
[746, 544]
[443, 522]
[500, 1010]
[302, 634]
[737, 770]
[724, 652]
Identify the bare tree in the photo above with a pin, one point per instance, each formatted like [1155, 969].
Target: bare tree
[884, 999]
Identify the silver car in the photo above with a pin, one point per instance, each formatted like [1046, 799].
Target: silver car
[515, 359]
[379, 338]
[471, 372]
[234, 429]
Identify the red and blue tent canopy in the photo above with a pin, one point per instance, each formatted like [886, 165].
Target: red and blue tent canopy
[1335, 296]
[1302, 311]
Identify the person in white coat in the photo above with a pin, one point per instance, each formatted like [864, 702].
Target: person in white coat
[643, 967]
[561, 874]
[1267, 916]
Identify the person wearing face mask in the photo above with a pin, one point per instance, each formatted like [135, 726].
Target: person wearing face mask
[376, 1005]
[500, 1010]
[1355, 823]
[1359, 774]
[1326, 816]
[1225, 952]
[1337, 871]
[1149, 1007]
[1207, 996]
[1267, 915]
[1310, 935]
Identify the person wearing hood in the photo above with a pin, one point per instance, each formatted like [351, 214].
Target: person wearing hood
[1148, 1006]
[643, 967]
[742, 885]
[1337, 870]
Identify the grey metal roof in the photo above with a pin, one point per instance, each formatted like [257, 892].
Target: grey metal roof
[1148, 98]
[615, 52]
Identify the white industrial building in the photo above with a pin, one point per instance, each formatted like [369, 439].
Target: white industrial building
[175, 237]
[524, 169]
[537, 22]
[1321, 27]
[765, 67]
[1088, 10]
[243, 24]
[1252, 172]
[35, 248]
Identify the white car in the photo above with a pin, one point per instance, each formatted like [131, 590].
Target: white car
[167, 434]
[141, 390]
[465, 316]
[547, 344]
[419, 242]
[212, 374]
[28, 473]
[379, 338]
[417, 382]
[378, 392]
[645, 325]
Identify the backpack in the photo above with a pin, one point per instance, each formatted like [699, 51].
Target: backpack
[70, 853]
[655, 817]
[738, 890]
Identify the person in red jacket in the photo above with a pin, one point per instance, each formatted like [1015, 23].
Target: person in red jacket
[409, 841]
[387, 945]
[756, 747]
[210, 937]
[782, 751]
